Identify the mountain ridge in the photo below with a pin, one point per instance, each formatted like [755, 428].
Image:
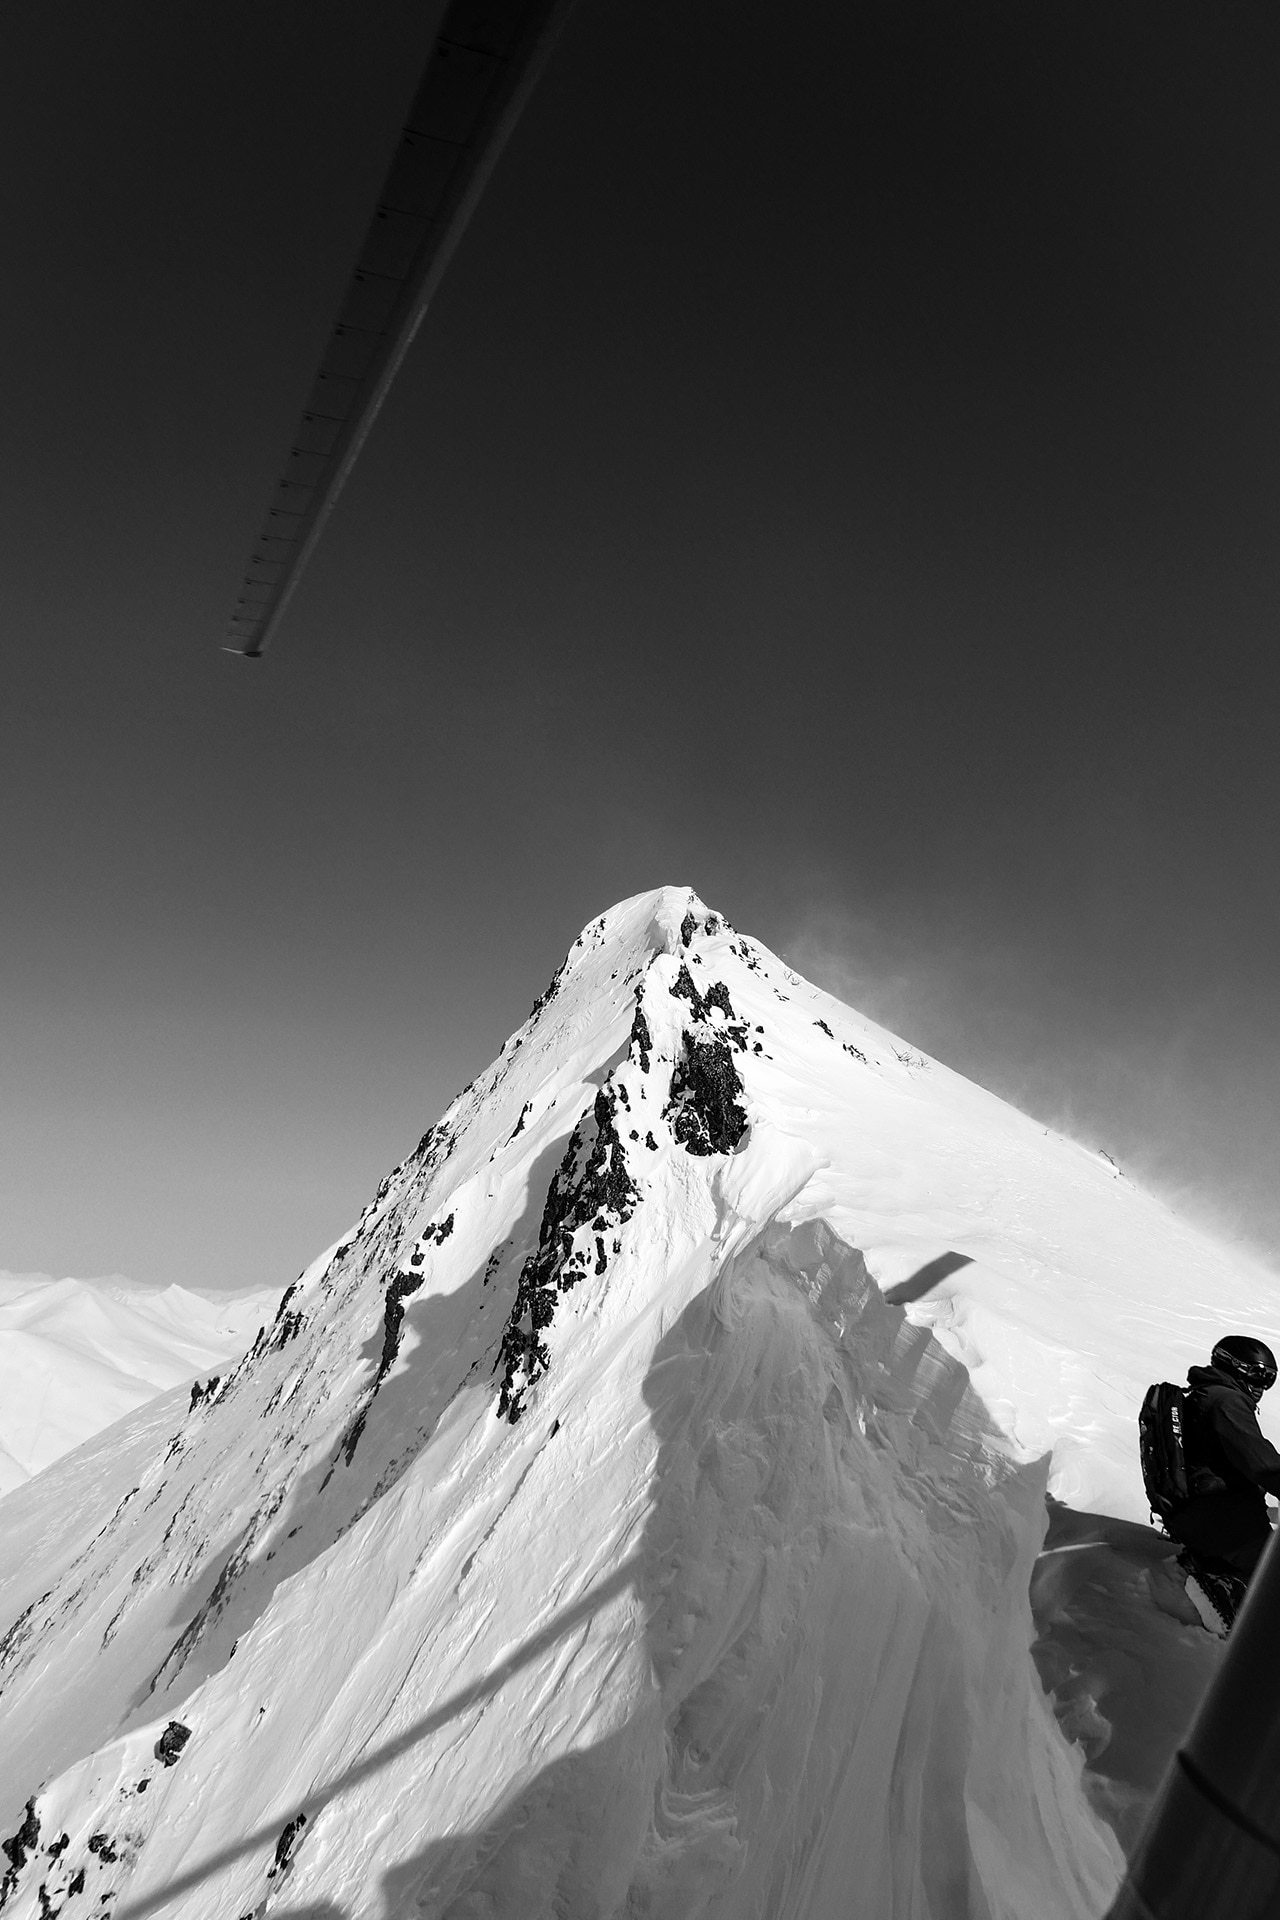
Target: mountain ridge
[587, 1533]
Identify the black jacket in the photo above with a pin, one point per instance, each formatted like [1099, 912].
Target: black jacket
[1226, 1450]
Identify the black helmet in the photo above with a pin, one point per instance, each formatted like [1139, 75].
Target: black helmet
[1247, 1360]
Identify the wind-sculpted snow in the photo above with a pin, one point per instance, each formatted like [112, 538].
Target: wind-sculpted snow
[589, 1535]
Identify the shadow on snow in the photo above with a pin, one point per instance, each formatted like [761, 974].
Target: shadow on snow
[548, 1845]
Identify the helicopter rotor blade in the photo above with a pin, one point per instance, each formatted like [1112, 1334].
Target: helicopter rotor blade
[483, 65]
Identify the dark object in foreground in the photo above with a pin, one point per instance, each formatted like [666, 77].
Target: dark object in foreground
[1211, 1847]
[483, 65]
[1207, 1466]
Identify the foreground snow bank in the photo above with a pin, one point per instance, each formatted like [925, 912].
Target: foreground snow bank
[792, 1681]
[834, 1576]
[1122, 1650]
[77, 1355]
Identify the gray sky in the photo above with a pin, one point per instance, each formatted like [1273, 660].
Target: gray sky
[839, 473]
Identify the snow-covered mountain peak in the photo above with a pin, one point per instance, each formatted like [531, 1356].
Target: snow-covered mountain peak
[632, 1514]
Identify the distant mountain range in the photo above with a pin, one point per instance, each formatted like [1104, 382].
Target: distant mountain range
[76, 1355]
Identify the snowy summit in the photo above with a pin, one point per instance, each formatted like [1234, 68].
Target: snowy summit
[633, 1515]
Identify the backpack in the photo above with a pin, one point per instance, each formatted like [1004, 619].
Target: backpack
[1160, 1443]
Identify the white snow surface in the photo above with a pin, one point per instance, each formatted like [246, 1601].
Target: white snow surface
[76, 1355]
[732, 1618]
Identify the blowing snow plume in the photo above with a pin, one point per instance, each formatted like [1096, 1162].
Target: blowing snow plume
[588, 1535]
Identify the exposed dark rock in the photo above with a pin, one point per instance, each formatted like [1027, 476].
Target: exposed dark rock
[682, 988]
[402, 1286]
[352, 1439]
[169, 1746]
[59, 1846]
[287, 1327]
[285, 1298]
[717, 995]
[688, 927]
[24, 1841]
[856, 1052]
[650, 1142]
[592, 1183]
[76, 1883]
[641, 1039]
[544, 999]
[199, 1393]
[703, 1113]
[101, 1845]
[285, 1845]
[519, 1125]
[825, 1028]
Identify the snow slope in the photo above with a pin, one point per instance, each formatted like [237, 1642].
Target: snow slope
[76, 1355]
[634, 1515]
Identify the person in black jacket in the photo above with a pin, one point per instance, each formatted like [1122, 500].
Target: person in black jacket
[1231, 1466]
